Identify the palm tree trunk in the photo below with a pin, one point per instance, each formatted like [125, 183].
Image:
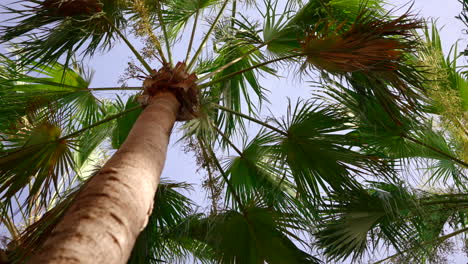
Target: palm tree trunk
[105, 219]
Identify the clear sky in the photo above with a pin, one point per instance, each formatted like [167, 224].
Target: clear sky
[181, 166]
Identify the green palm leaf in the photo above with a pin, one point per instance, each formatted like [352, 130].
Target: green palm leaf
[124, 123]
[36, 155]
[254, 176]
[400, 136]
[63, 28]
[255, 236]
[319, 155]
[283, 32]
[65, 88]
[412, 222]
[232, 44]
[355, 219]
[178, 13]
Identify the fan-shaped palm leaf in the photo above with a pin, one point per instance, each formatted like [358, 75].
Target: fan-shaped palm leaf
[124, 123]
[254, 176]
[178, 13]
[283, 32]
[54, 28]
[236, 44]
[350, 218]
[36, 154]
[319, 155]
[399, 136]
[412, 223]
[65, 88]
[253, 236]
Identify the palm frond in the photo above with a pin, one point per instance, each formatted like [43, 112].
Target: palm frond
[373, 53]
[89, 150]
[255, 176]
[36, 155]
[54, 28]
[319, 154]
[410, 221]
[253, 236]
[284, 32]
[125, 123]
[236, 44]
[46, 85]
[354, 219]
[179, 12]
[377, 133]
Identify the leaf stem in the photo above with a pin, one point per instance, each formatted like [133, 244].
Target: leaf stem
[229, 76]
[251, 119]
[439, 239]
[445, 202]
[233, 12]
[207, 36]
[132, 48]
[105, 120]
[223, 174]
[192, 36]
[20, 209]
[227, 139]
[218, 70]
[436, 150]
[97, 89]
[163, 26]
[10, 226]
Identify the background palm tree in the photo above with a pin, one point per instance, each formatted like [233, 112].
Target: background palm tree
[329, 170]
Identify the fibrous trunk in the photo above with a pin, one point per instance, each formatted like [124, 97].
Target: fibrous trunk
[104, 221]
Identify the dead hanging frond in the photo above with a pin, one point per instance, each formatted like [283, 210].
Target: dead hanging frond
[373, 48]
[64, 8]
[370, 44]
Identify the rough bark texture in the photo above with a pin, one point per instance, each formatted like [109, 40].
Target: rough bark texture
[104, 221]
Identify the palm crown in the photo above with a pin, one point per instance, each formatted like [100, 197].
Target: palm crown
[331, 169]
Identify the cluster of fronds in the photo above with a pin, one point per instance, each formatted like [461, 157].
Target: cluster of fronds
[329, 168]
[373, 47]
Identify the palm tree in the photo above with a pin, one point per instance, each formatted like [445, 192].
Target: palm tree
[334, 161]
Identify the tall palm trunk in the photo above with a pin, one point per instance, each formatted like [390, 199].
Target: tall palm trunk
[105, 219]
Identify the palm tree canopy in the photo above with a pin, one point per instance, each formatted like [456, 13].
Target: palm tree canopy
[323, 182]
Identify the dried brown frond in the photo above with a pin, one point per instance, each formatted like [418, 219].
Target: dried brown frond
[372, 52]
[179, 82]
[64, 8]
[371, 44]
